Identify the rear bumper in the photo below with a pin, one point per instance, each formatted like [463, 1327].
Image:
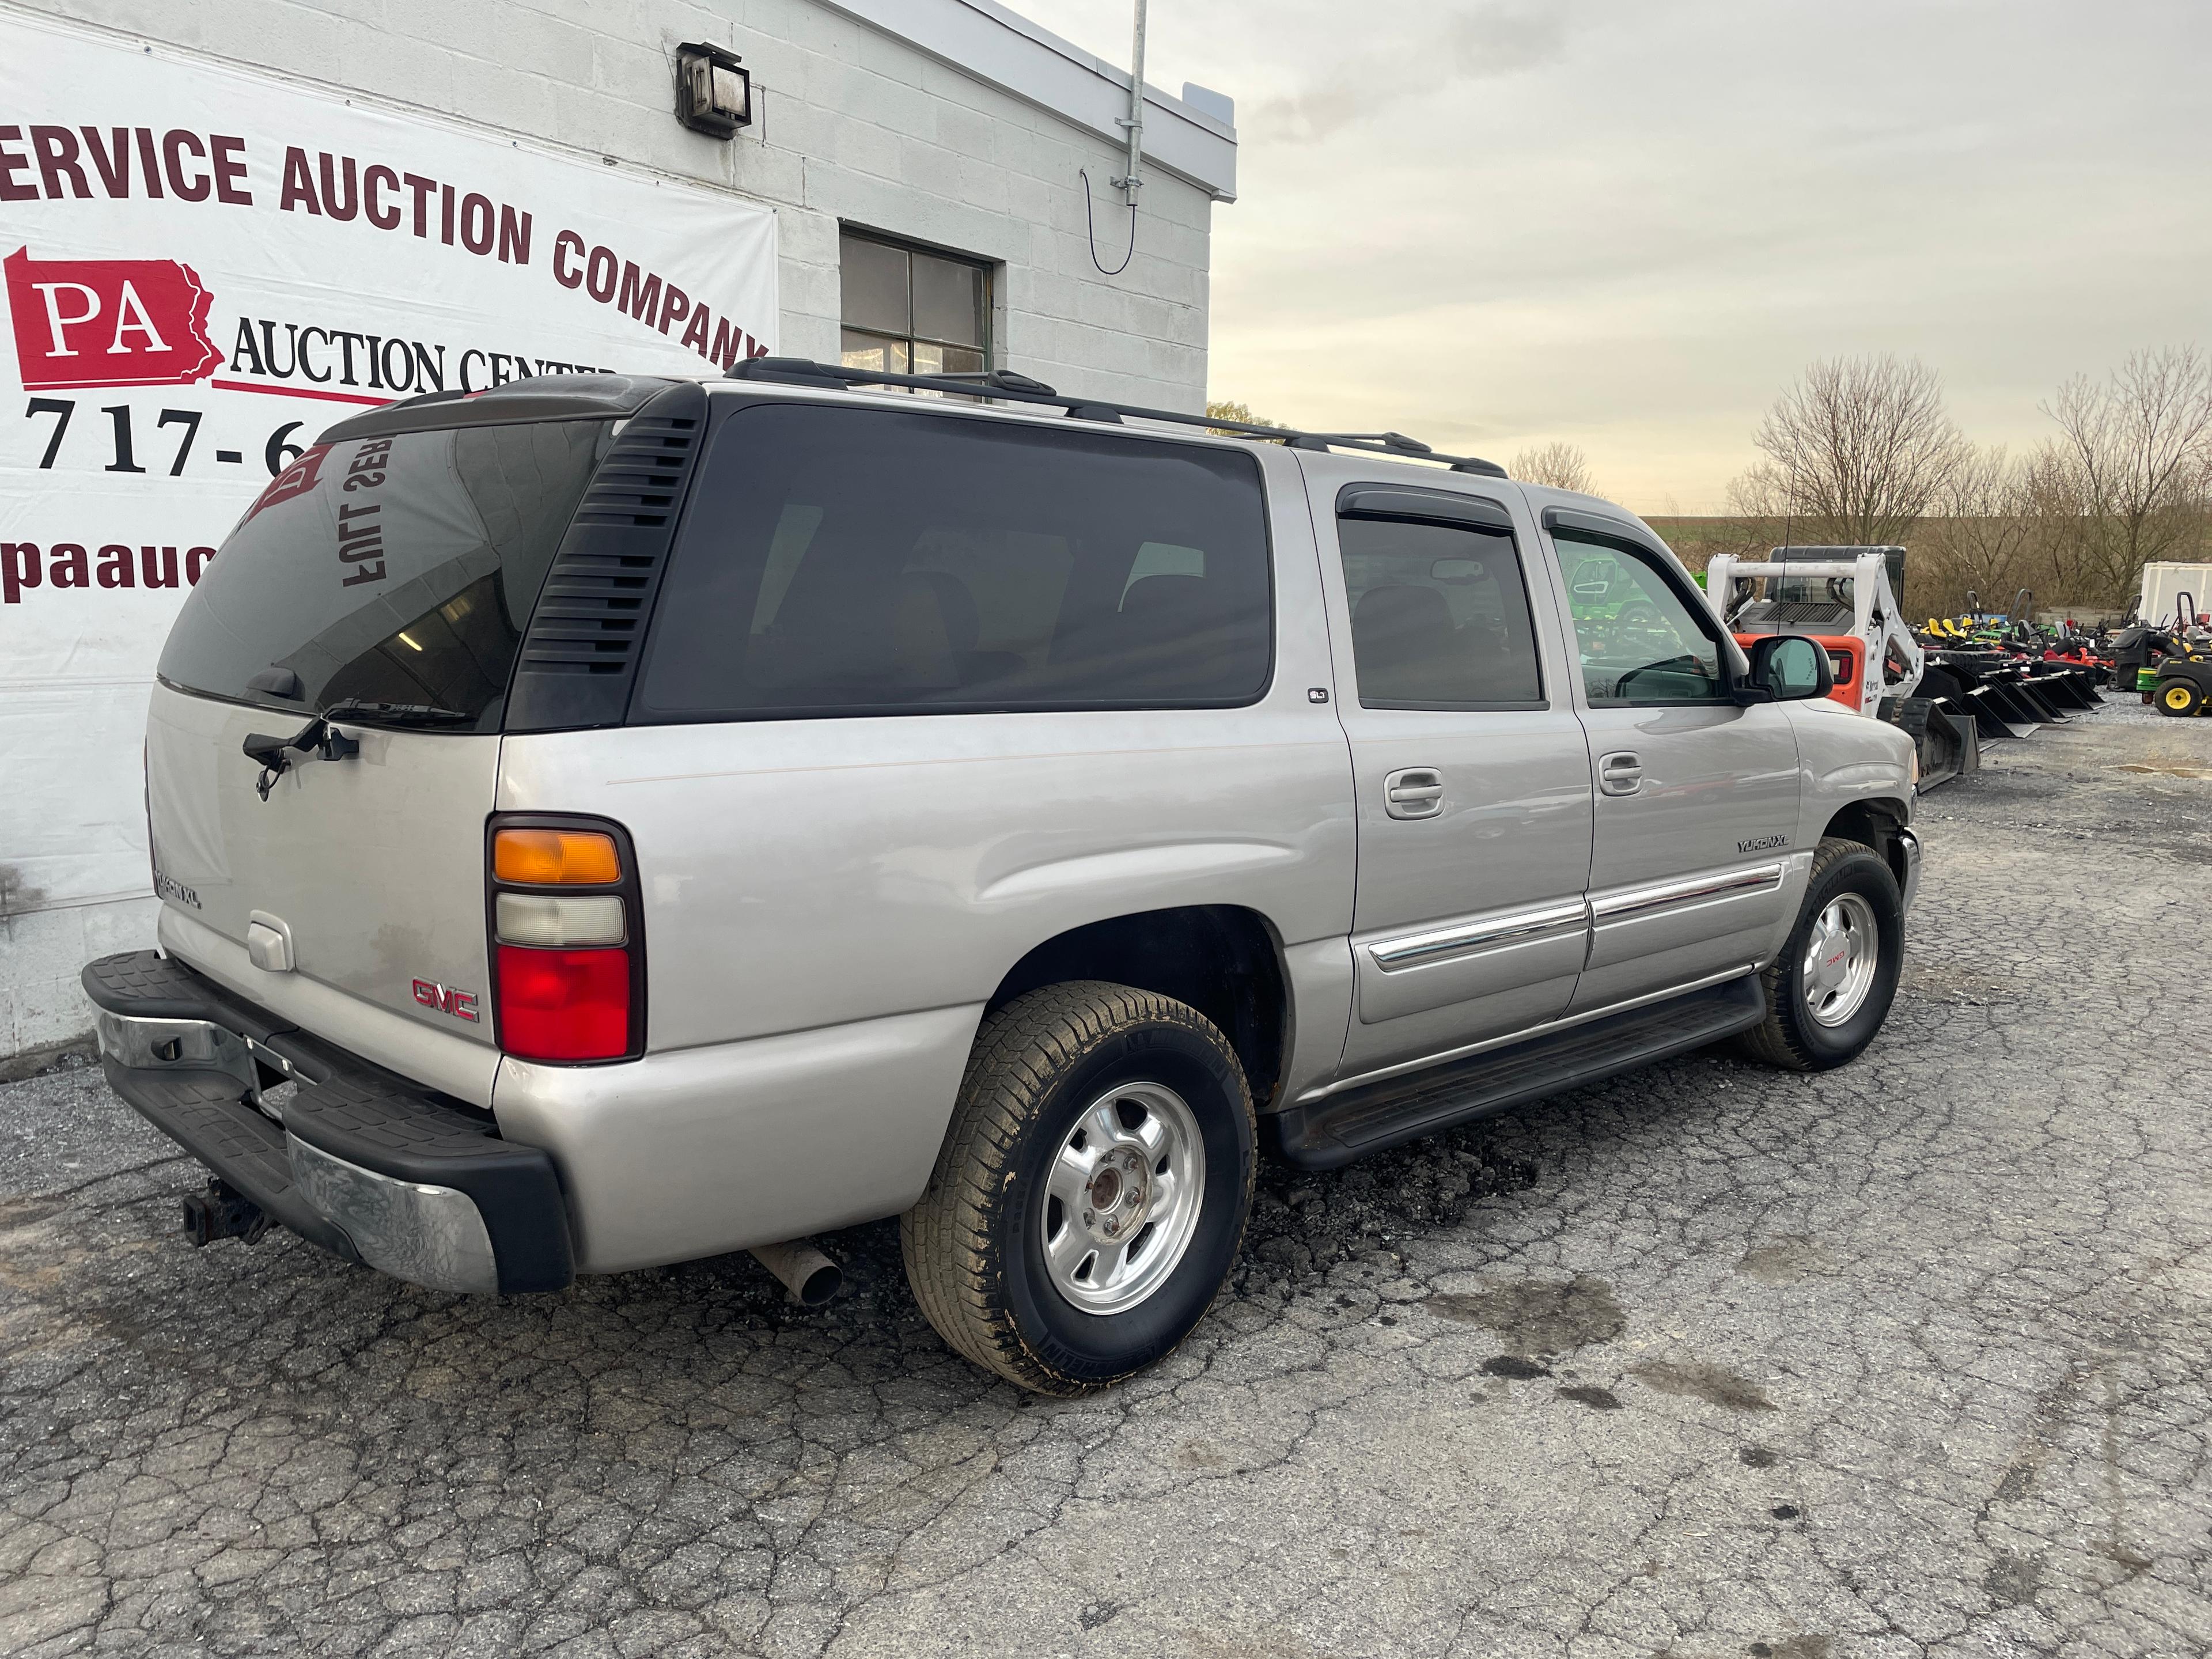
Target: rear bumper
[364, 1163]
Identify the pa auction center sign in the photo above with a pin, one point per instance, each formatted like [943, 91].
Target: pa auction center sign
[203, 268]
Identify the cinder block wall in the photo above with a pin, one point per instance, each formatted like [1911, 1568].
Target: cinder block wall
[853, 125]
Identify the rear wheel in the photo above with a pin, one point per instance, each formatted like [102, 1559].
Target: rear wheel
[2178, 697]
[1829, 990]
[1091, 1193]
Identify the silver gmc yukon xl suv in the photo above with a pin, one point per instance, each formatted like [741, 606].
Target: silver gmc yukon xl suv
[608, 821]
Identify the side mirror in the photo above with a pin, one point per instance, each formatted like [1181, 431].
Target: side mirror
[1788, 668]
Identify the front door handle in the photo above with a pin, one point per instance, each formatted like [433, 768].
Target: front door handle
[1416, 793]
[1620, 772]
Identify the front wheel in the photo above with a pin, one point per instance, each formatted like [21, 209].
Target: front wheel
[1830, 989]
[1092, 1189]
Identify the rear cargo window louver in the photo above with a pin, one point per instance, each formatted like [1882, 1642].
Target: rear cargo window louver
[639, 481]
[580, 653]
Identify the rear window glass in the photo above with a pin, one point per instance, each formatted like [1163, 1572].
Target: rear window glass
[845, 561]
[398, 569]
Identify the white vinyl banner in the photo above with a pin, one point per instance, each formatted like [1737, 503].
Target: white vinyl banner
[205, 268]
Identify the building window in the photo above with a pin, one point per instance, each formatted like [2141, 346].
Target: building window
[909, 311]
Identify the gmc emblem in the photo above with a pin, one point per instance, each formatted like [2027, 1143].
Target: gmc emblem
[444, 999]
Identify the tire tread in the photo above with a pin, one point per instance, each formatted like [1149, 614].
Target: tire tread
[1773, 1040]
[1020, 1054]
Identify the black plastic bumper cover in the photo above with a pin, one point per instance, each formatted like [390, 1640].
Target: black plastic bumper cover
[346, 1107]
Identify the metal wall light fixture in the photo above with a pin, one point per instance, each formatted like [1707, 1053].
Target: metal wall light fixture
[713, 89]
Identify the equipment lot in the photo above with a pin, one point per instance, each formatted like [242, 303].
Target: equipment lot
[1908, 1358]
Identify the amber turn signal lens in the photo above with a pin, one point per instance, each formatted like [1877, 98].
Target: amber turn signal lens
[555, 858]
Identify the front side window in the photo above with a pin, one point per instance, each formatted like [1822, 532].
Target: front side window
[1639, 639]
[848, 561]
[1439, 616]
[911, 310]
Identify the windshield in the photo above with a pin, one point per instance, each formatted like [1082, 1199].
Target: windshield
[398, 570]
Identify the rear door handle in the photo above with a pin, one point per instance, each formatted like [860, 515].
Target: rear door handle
[1619, 773]
[1416, 793]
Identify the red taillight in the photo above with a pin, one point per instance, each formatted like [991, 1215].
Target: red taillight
[567, 935]
[563, 1004]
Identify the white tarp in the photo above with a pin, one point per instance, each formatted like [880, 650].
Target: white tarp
[203, 268]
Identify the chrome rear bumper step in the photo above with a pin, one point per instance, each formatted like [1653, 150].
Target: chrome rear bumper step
[365, 1163]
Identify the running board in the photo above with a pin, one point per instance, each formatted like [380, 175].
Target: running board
[1330, 1132]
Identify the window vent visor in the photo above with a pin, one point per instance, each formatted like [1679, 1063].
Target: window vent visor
[579, 654]
[551, 922]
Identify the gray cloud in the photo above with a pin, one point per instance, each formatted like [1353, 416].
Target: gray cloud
[1446, 48]
[1494, 225]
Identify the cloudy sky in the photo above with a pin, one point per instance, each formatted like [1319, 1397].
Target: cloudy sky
[1628, 223]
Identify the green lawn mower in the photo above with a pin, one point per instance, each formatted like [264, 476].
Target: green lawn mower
[2171, 666]
[2182, 686]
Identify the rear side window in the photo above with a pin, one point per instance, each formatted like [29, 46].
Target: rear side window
[399, 569]
[1439, 616]
[849, 561]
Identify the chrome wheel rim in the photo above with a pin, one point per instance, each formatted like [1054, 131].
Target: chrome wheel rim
[1840, 959]
[1122, 1197]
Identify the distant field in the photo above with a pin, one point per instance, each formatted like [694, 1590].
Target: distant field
[1696, 540]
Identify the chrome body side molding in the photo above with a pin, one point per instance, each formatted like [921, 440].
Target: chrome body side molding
[1697, 889]
[1445, 944]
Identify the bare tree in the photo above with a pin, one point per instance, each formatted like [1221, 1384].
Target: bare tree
[1984, 535]
[2131, 469]
[1859, 449]
[1759, 498]
[1560, 464]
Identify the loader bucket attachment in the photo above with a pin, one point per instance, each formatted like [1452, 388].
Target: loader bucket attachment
[1993, 717]
[1945, 738]
[2067, 687]
[2037, 698]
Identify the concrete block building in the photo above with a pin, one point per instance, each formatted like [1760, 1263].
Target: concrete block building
[938, 171]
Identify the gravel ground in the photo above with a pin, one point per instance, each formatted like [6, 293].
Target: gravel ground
[1908, 1359]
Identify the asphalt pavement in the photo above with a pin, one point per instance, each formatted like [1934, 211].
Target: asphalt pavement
[1908, 1359]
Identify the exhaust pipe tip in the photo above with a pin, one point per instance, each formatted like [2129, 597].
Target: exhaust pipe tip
[810, 1277]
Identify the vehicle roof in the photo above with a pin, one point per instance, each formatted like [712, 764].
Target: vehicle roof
[585, 397]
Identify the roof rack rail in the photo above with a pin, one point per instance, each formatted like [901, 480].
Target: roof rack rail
[1005, 386]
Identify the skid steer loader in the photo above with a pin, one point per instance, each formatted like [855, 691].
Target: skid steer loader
[1846, 598]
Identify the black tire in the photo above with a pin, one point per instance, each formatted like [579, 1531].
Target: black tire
[1789, 1036]
[2177, 697]
[974, 1244]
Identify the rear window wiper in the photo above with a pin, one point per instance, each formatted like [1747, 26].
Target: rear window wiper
[320, 737]
[395, 714]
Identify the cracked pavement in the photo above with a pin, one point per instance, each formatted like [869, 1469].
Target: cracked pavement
[1907, 1359]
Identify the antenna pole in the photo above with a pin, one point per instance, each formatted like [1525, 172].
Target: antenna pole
[1130, 182]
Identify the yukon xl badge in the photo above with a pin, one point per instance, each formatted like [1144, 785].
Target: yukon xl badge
[1756, 844]
[176, 892]
[444, 999]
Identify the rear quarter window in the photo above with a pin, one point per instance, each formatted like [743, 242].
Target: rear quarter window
[398, 569]
[846, 561]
